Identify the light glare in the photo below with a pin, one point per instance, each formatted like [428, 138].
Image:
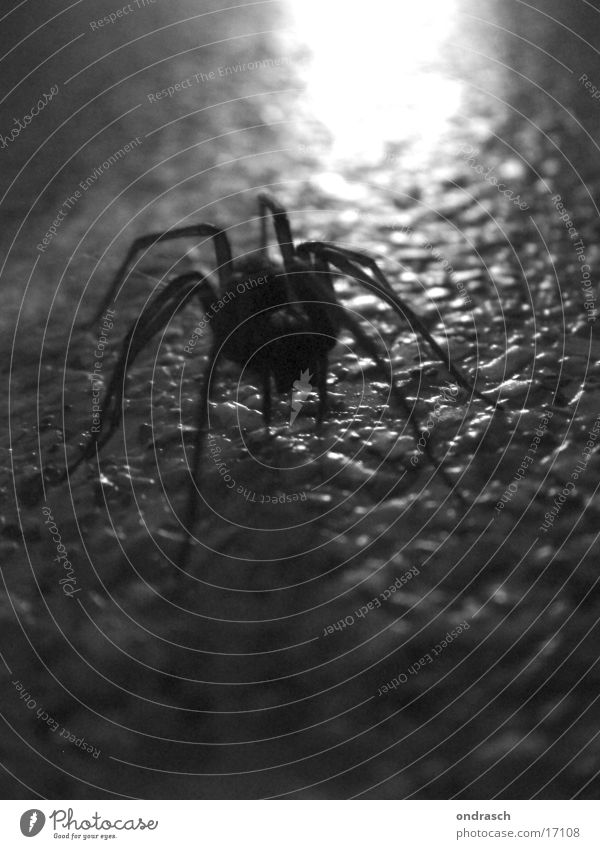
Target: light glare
[373, 77]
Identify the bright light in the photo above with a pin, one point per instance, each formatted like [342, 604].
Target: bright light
[373, 76]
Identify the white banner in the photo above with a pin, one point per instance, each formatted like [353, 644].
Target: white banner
[302, 824]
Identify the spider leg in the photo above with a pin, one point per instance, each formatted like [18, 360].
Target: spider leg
[322, 369]
[283, 231]
[322, 279]
[398, 395]
[144, 243]
[191, 510]
[281, 222]
[343, 259]
[360, 258]
[155, 316]
[266, 410]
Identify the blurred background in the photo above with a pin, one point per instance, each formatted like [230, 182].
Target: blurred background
[326, 96]
[381, 126]
[335, 94]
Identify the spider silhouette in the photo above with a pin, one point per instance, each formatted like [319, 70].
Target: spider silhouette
[276, 318]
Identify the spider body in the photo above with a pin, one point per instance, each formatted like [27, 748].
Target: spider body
[279, 319]
[261, 330]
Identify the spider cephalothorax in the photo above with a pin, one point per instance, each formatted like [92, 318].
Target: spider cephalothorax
[278, 319]
[275, 328]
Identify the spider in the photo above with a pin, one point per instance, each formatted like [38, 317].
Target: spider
[278, 319]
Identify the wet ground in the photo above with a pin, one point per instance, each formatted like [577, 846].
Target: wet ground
[369, 631]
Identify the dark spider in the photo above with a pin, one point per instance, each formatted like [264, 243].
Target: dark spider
[279, 327]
